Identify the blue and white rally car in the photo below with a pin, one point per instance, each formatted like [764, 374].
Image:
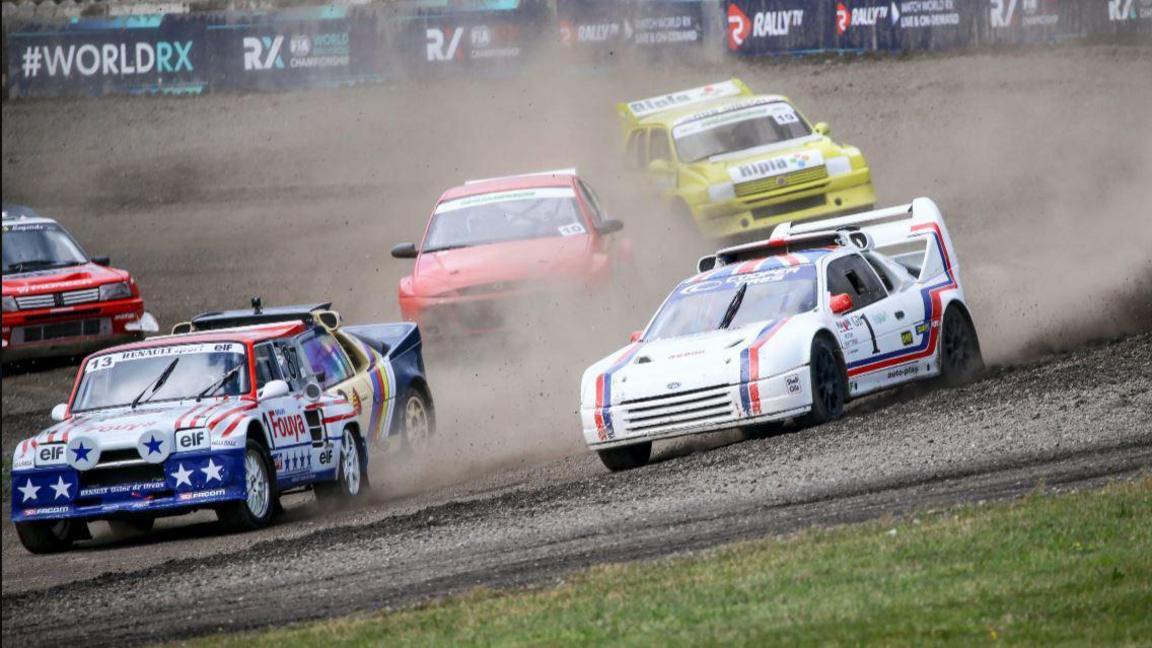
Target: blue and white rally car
[237, 409]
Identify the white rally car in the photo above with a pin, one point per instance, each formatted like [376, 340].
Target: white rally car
[788, 328]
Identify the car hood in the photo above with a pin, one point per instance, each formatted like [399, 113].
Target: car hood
[88, 275]
[500, 263]
[663, 367]
[127, 429]
[766, 161]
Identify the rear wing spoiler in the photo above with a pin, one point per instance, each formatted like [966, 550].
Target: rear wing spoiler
[914, 235]
[571, 171]
[390, 339]
[632, 112]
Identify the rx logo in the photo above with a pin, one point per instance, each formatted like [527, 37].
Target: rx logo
[263, 53]
[444, 44]
[1120, 10]
[1002, 12]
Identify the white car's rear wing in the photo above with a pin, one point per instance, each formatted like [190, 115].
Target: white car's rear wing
[554, 172]
[913, 235]
[905, 233]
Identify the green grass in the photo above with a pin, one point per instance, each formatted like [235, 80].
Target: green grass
[1069, 569]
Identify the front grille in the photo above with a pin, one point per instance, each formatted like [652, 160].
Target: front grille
[773, 183]
[685, 409]
[123, 454]
[780, 209]
[122, 475]
[36, 301]
[57, 330]
[80, 296]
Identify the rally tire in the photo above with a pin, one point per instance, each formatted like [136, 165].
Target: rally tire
[829, 386]
[261, 497]
[626, 457]
[960, 357]
[48, 536]
[351, 472]
[417, 420]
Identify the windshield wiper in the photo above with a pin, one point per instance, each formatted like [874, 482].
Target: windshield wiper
[155, 385]
[21, 266]
[216, 384]
[734, 306]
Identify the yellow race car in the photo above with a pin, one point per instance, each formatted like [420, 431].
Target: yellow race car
[739, 163]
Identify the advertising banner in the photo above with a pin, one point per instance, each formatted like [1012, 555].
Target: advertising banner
[612, 24]
[757, 27]
[453, 41]
[137, 54]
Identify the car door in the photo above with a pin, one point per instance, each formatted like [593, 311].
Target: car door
[863, 330]
[284, 415]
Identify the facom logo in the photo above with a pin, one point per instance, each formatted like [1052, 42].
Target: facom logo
[263, 53]
[444, 44]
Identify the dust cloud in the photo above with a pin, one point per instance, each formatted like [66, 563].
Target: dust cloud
[1040, 160]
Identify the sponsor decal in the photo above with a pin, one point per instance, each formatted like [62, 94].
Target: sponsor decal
[906, 337]
[793, 383]
[48, 455]
[47, 510]
[475, 42]
[922, 328]
[287, 427]
[105, 59]
[107, 361]
[779, 111]
[138, 487]
[330, 49]
[505, 196]
[652, 105]
[903, 372]
[847, 18]
[673, 385]
[775, 166]
[921, 14]
[216, 492]
[191, 440]
[762, 24]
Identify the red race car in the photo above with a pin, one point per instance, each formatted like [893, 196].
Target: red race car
[491, 241]
[58, 300]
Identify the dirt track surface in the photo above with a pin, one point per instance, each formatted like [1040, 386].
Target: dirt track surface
[1040, 160]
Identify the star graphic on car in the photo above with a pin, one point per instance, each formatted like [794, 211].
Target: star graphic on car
[212, 471]
[154, 444]
[29, 490]
[81, 452]
[182, 475]
[61, 487]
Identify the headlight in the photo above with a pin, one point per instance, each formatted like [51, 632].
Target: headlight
[722, 192]
[10, 304]
[838, 166]
[112, 291]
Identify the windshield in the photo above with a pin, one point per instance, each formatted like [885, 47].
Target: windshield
[504, 216]
[115, 379]
[737, 130]
[698, 307]
[39, 246]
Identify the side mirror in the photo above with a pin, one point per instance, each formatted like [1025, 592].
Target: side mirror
[840, 303]
[182, 328]
[101, 260]
[822, 128]
[404, 250]
[60, 412]
[609, 226]
[313, 392]
[329, 319]
[273, 389]
[706, 263]
[636, 335]
[660, 167]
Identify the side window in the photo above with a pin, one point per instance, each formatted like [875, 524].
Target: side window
[324, 356]
[853, 275]
[882, 272]
[658, 147]
[636, 146]
[289, 363]
[593, 203]
[267, 367]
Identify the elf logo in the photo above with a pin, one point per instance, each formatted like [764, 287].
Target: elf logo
[444, 44]
[263, 53]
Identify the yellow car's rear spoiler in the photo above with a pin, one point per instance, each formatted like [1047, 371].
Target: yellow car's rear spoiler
[633, 111]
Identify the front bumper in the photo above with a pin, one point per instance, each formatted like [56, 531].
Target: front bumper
[696, 411]
[61, 492]
[73, 330]
[842, 195]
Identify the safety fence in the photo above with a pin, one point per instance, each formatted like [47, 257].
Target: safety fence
[305, 47]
